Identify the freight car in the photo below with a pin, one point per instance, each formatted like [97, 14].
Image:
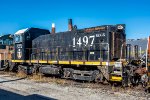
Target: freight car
[89, 54]
[6, 48]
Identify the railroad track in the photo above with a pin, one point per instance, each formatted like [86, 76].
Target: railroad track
[53, 85]
[66, 82]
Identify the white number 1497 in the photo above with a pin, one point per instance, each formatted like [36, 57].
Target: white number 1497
[83, 40]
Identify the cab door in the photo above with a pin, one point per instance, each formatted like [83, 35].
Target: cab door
[18, 47]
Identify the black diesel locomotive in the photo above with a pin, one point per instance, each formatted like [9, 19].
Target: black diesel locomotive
[82, 54]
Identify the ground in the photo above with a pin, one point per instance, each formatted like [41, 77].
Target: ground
[25, 88]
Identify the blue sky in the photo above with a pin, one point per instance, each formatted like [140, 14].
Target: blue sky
[18, 14]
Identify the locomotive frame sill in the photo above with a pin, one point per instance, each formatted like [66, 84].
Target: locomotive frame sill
[73, 62]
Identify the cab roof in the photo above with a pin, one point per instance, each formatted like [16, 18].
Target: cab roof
[19, 32]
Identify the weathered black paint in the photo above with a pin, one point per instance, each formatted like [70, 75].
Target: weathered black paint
[60, 46]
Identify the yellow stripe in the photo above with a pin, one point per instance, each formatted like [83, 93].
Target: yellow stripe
[115, 78]
[67, 62]
[34, 61]
[18, 61]
[104, 63]
[64, 62]
[27, 61]
[92, 63]
[52, 62]
[77, 62]
[42, 61]
[111, 63]
[107, 63]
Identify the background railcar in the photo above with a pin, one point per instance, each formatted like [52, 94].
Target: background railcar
[148, 62]
[6, 50]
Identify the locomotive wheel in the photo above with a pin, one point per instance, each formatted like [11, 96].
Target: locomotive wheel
[124, 84]
[21, 71]
[99, 78]
[24, 69]
[13, 67]
[67, 73]
[147, 89]
[35, 69]
[6, 68]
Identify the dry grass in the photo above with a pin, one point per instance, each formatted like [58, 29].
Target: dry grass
[42, 78]
[60, 81]
[36, 77]
[21, 74]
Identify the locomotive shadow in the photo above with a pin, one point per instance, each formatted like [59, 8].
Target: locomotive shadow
[7, 95]
[72, 80]
[67, 79]
[13, 80]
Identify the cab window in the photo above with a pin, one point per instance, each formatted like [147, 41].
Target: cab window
[18, 38]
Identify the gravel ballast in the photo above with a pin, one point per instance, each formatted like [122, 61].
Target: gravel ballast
[25, 87]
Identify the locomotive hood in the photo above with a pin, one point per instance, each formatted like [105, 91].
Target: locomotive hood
[22, 31]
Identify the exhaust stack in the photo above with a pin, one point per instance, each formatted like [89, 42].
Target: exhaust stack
[53, 28]
[136, 51]
[70, 27]
[128, 52]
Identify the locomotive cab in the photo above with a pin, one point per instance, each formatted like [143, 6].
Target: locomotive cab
[23, 42]
[18, 38]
